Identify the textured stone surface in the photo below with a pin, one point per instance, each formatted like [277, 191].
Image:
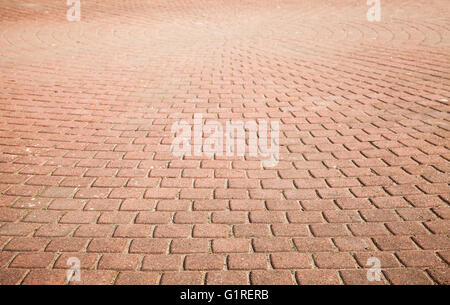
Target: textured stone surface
[86, 171]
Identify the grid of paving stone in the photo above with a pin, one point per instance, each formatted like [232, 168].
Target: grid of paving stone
[86, 169]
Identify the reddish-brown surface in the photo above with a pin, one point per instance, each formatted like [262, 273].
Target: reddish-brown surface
[86, 170]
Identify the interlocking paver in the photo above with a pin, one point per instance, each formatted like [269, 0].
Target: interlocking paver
[87, 170]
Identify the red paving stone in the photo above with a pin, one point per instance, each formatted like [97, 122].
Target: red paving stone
[86, 168]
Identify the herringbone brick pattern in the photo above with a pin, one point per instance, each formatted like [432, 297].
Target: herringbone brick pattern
[86, 169]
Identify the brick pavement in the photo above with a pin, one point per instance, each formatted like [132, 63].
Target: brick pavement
[86, 169]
